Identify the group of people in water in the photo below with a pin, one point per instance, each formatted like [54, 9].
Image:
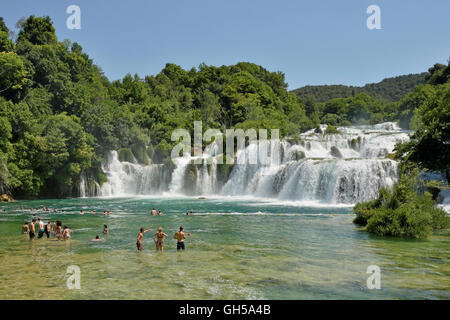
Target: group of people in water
[160, 236]
[58, 232]
[55, 229]
[94, 212]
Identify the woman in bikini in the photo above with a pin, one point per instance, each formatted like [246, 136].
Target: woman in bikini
[66, 233]
[159, 239]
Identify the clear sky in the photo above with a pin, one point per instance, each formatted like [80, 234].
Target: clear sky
[312, 42]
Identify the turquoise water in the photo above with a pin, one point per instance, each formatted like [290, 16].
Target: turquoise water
[239, 249]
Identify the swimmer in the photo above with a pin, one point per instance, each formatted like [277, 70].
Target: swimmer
[25, 228]
[160, 213]
[105, 229]
[159, 239]
[139, 238]
[153, 212]
[81, 212]
[181, 236]
[97, 239]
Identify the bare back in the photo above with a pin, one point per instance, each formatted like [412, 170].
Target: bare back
[180, 236]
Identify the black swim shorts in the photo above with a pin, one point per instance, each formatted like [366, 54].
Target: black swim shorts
[180, 245]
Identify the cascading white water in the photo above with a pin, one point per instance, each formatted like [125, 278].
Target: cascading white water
[176, 185]
[88, 187]
[328, 168]
[126, 178]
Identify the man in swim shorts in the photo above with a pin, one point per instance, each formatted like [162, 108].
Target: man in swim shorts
[48, 227]
[181, 236]
[32, 230]
[139, 238]
[41, 228]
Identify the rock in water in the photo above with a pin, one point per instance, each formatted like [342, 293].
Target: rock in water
[335, 152]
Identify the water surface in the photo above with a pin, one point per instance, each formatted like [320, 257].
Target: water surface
[239, 249]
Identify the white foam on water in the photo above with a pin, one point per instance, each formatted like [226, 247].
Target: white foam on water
[318, 170]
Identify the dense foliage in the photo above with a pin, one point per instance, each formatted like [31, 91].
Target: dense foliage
[389, 89]
[372, 103]
[409, 210]
[404, 212]
[429, 146]
[59, 114]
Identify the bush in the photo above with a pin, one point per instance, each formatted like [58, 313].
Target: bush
[125, 154]
[140, 152]
[331, 130]
[408, 221]
[404, 212]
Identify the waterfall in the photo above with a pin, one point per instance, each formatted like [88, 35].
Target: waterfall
[329, 168]
[126, 178]
[88, 186]
[177, 183]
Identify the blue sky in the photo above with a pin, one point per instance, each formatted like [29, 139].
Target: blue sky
[312, 42]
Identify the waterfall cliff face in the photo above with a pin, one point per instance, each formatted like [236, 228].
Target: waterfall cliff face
[326, 168]
[126, 178]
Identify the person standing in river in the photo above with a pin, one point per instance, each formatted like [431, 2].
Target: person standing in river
[32, 233]
[159, 239]
[66, 233]
[48, 227]
[41, 228]
[139, 238]
[181, 236]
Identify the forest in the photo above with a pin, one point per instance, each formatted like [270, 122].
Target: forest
[60, 115]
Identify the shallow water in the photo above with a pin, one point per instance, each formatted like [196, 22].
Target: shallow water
[239, 249]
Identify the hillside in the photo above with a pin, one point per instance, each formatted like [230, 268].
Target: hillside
[389, 89]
